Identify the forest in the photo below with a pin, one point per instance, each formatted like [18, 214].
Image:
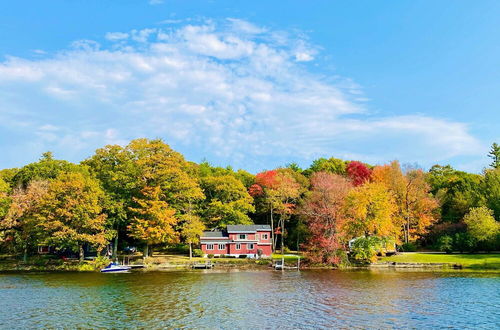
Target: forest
[145, 194]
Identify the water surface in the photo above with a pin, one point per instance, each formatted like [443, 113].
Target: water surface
[251, 299]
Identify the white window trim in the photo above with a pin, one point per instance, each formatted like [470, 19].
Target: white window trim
[265, 236]
[256, 237]
[250, 244]
[244, 236]
[222, 246]
[238, 246]
[210, 246]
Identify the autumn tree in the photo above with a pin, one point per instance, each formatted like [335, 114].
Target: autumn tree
[191, 230]
[416, 207]
[126, 171]
[70, 213]
[154, 220]
[324, 213]
[21, 221]
[370, 209]
[227, 201]
[4, 198]
[358, 172]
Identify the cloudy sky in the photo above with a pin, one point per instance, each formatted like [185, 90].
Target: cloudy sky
[252, 84]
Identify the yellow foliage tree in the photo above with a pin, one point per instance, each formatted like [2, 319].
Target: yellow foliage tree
[370, 210]
[154, 220]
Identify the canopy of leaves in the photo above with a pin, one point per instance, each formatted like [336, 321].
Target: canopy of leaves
[358, 172]
[227, 201]
[481, 224]
[154, 221]
[330, 165]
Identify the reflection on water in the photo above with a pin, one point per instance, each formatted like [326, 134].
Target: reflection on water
[251, 299]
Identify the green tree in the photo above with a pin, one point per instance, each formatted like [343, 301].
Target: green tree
[191, 230]
[330, 165]
[494, 154]
[481, 224]
[227, 201]
[154, 220]
[492, 191]
[70, 213]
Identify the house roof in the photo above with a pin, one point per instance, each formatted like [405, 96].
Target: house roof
[246, 228]
[215, 234]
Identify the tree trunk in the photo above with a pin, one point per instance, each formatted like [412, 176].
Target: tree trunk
[272, 231]
[146, 251]
[115, 246]
[282, 246]
[25, 254]
[82, 253]
[190, 251]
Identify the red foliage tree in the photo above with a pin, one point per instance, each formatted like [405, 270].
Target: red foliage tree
[324, 212]
[267, 179]
[358, 172]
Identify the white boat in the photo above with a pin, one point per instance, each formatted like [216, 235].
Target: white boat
[115, 268]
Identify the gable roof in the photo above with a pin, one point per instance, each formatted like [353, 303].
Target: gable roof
[246, 228]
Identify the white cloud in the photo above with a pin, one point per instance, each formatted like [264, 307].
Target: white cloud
[232, 90]
[156, 2]
[114, 36]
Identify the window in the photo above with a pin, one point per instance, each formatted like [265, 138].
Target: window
[243, 236]
[265, 236]
[250, 246]
[210, 246]
[222, 246]
[256, 237]
[238, 246]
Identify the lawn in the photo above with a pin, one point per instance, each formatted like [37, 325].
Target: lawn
[475, 261]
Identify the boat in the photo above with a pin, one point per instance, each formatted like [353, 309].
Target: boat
[115, 268]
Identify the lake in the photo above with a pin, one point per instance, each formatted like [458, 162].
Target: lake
[251, 299]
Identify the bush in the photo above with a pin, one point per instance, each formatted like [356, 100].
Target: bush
[464, 242]
[198, 253]
[210, 256]
[445, 244]
[408, 247]
[365, 249]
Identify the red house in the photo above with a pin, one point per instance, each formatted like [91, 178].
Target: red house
[251, 241]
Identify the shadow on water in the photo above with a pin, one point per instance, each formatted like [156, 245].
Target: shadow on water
[246, 299]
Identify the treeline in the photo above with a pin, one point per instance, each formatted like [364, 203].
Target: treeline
[147, 194]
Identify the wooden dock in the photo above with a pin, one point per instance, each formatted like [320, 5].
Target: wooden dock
[202, 265]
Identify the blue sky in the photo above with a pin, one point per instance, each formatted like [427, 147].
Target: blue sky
[252, 84]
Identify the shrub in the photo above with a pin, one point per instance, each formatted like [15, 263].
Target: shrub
[408, 247]
[445, 244]
[365, 249]
[198, 253]
[210, 256]
[464, 242]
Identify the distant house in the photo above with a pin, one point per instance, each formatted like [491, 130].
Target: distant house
[251, 241]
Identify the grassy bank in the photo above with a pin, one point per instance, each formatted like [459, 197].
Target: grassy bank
[472, 261]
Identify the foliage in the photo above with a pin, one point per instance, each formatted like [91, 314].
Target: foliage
[358, 172]
[492, 191]
[331, 165]
[481, 224]
[227, 201]
[408, 247]
[323, 210]
[464, 242]
[370, 210]
[365, 249]
[198, 253]
[71, 212]
[154, 219]
[445, 244]
[494, 154]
